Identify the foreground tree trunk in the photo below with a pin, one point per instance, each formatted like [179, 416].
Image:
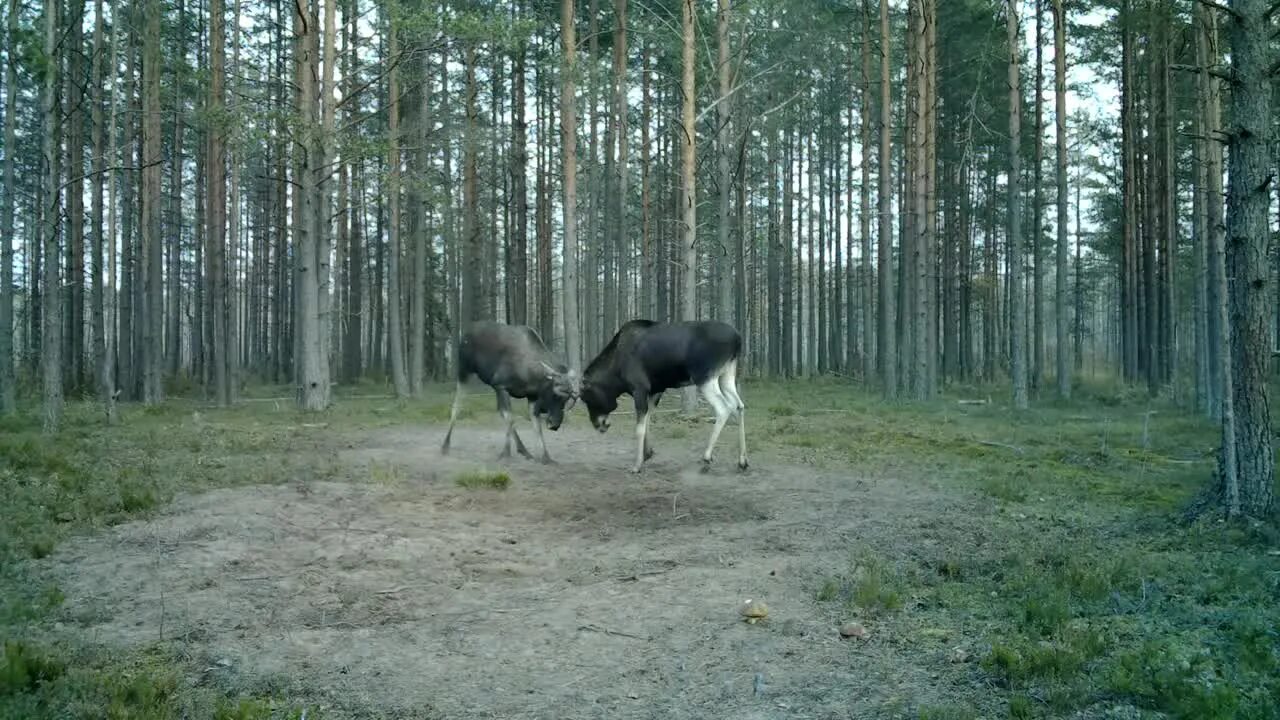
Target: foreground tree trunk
[1060, 110]
[1251, 491]
[1019, 365]
[312, 383]
[518, 273]
[51, 335]
[724, 299]
[395, 331]
[569, 142]
[864, 209]
[152, 255]
[886, 344]
[688, 189]
[8, 378]
[216, 207]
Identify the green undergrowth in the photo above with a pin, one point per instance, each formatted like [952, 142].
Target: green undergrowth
[483, 480]
[92, 475]
[1071, 587]
[1061, 575]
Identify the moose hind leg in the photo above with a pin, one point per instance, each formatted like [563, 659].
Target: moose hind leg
[711, 391]
[729, 388]
[504, 409]
[453, 418]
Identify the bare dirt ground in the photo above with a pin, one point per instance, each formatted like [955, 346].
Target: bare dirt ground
[581, 591]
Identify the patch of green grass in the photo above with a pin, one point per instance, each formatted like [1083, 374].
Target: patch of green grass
[483, 480]
[1005, 486]
[870, 587]
[780, 410]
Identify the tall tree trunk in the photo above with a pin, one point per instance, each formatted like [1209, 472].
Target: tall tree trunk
[519, 271]
[326, 142]
[8, 374]
[110, 328]
[886, 344]
[619, 230]
[101, 383]
[864, 206]
[51, 335]
[1250, 489]
[1019, 364]
[921, 224]
[1168, 202]
[417, 161]
[353, 310]
[1217, 338]
[395, 331]
[152, 256]
[1129, 270]
[648, 305]
[473, 239]
[173, 312]
[312, 382]
[688, 189]
[1060, 110]
[73, 330]
[932, 352]
[216, 206]
[569, 143]
[724, 72]
[1037, 215]
[596, 299]
[126, 307]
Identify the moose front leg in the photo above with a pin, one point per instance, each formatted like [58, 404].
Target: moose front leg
[642, 430]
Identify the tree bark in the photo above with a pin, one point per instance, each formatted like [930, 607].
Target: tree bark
[473, 239]
[887, 343]
[569, 144]
[1251, 491]
[648, 305]
[312, 381]
[8, 375]
[724, 73]
[395, 331]
[51, 335]
[216, 206]
[621, 236]
[1037, 215]
[173, 311]
[152, 255]
[864, 207]
[1060, 110]
[688, 188]
[73, 330]
[518, 282]
[1019, 365]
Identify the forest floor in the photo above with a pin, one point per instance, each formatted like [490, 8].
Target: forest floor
[258, 563]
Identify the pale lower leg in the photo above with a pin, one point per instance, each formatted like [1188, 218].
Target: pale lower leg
[453, 418]
[642, 441]
[511, 429]
[711, 391]
[729, 388]
[537, 426]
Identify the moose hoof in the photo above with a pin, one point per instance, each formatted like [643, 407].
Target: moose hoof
[546, 460]
[743, 465]
[706, 466]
